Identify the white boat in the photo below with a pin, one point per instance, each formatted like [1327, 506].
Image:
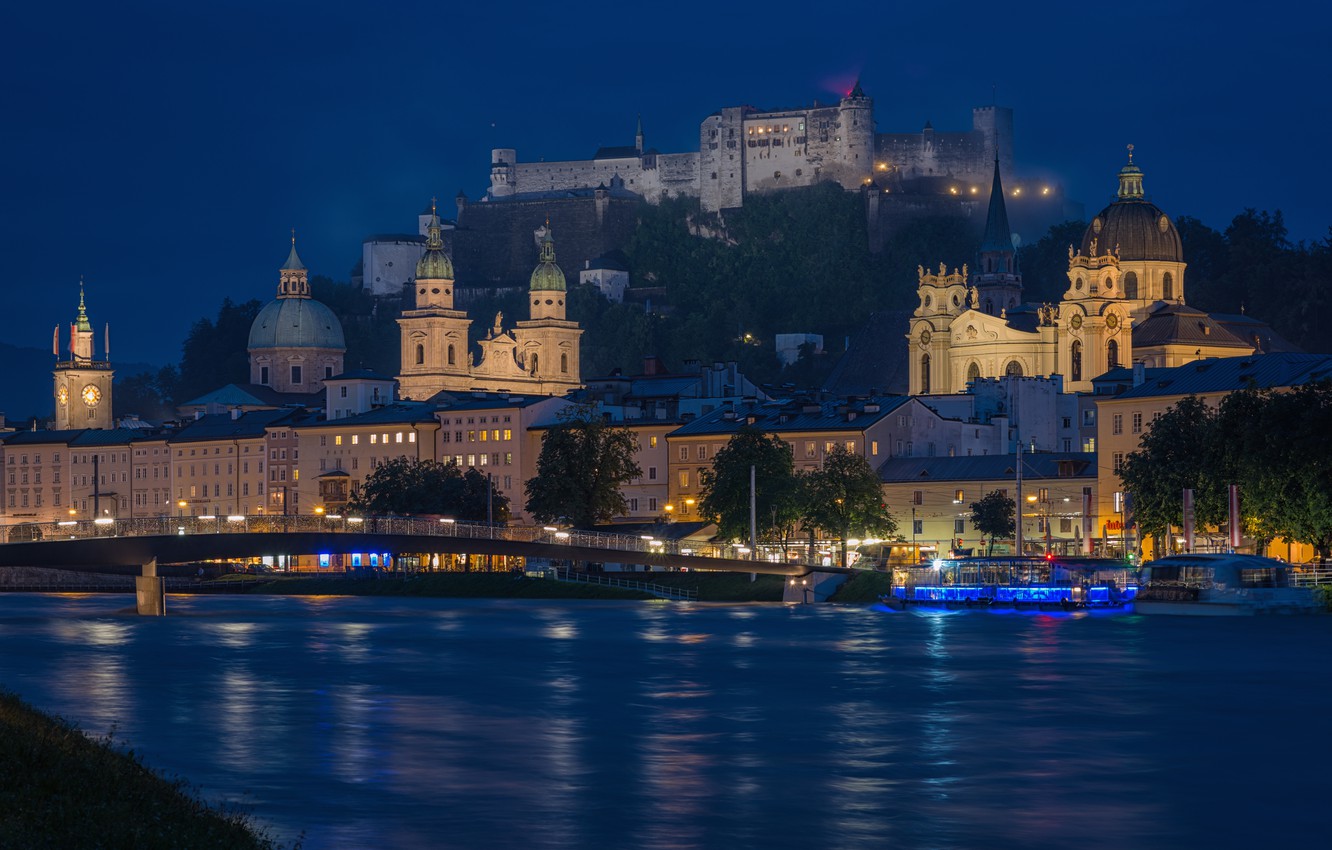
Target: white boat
[1222, 585]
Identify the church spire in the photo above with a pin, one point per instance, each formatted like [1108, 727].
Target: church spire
[1130, 180]
[998, 236]
[435, 263]
[82, 323]
[638, 135]
[293, 277]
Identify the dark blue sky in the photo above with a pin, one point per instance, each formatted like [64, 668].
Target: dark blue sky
[164, 149]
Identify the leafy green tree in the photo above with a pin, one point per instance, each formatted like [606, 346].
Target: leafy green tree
[845, 496]
[584, 462]
[725, 487]
[214, 353]
[407, 486]
[1044, 262]
[994, 516]
[1297, 489]
[1180, 450]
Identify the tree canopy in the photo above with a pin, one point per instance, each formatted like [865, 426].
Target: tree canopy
[994, 516]
[845, 496]
[406, 486]
[584, 461]
[725, 487]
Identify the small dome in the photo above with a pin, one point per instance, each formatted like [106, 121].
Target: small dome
[296, 323]
[547, 277]
[1138, 229]
[434, 265]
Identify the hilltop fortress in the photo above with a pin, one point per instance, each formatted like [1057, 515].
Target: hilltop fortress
[742, 150]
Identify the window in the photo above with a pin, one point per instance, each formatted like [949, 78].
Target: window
[452, 356]
[1075, 361]
[924, 373]
[508, 435]
[1111, 354]
[959, 525]
[356, 438]
[1167, 287]
[1130, 285]
[564, 363]
[918, 526]
[652, 473]
[684, 478]
[1119, 462]
[485, 435]
[958, 495]
[917, 497]
[420, 354]
[702, 452]
[874, 447]
[263, 375]
[397, 438]
[295, 374]
[337, 440]
[1117, 424]
[1137, 422]
[684, 453]
[652, 441]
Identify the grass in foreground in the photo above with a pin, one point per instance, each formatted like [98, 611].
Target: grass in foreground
[863, 586]
[60, 788]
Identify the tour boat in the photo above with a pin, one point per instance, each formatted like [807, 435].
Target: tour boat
[1048, 584]
[1222, 584]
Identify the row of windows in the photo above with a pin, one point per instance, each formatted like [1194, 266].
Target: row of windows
[492, 435]
[356, 440]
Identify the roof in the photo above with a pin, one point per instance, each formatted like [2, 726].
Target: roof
[487, 401]
[1138, 229]
[1257, 333]
[1228, 374]
[399, 413]
[869, 365]
[987, 467]
[1180, 324]
[775, 417]
[296, 323]
[253, 395]
[109, 437]
[25, 438]
[998, 235]
[616, 152]
[359, 375]
[612, 262]
[222, 426]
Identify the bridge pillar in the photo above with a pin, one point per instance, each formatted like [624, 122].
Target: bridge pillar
[814, 587]
[150, 592]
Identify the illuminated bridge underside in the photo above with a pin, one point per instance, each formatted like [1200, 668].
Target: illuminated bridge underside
[116, 553]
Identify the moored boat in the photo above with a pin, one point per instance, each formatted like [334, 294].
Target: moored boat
[1222, 585]
[1047, 584]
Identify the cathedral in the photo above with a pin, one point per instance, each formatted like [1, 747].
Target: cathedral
[1124, 305]
[539, 355]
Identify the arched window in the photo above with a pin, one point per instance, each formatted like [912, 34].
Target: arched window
[452, 359]
[1075, 361]
[924, 373]
[534, 363]
[1013, 369]
[1167, 287]
[989, 306]
[564, 363]
[973, 373]
[1131, 285]
[1111, 354]
[420, 354]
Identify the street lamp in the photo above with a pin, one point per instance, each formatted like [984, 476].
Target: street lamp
[804, 589]
[179, 505]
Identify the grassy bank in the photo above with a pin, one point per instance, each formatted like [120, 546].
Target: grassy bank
[862, 587]
[59, 788]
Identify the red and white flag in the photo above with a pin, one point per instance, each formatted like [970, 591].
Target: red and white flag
[1234, 517]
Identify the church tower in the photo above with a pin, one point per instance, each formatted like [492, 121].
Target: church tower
[82, 383]
[997, 281]
[435, 353]
[548, 342]
[295, 342]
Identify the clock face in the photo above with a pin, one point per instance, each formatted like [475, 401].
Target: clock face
[1112, 321]
[91, 395]
[1076, 321]
[63, 394]
[925, 337]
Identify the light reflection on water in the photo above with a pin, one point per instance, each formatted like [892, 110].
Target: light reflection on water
[429, 723]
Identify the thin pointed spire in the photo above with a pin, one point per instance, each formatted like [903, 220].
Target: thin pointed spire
[82, 322]
[293, 259]
[998, 235]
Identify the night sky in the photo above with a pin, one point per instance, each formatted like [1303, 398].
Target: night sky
[163, 150]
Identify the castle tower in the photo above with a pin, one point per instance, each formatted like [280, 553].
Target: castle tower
[548, 342]
[638, 137]
[82, 383]
[857, 132]
[503, 174]
[997, 280]
[295, 341]
[435, 354]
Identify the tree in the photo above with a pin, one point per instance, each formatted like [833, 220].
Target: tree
[1179, 451]
[725, 487]
[994, 516]
[846, 496]
[583, 463]
[406, 486]
[214, 354]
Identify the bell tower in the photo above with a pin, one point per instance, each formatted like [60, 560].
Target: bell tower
[435, 353]
[548, 341]
[82, 383]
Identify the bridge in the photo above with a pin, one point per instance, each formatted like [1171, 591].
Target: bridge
[143, 543]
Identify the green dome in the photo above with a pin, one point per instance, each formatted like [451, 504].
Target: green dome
[296, 323]
[547, 276]
[434, 265]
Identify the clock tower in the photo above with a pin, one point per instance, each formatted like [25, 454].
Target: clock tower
[82, 383]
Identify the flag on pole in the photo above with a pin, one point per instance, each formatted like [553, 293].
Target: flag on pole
[1087, 523]
[1188, 520]
[55, 340]
[1234, 517]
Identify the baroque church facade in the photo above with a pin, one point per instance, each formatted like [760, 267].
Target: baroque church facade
[538, 355]
[1124, 305]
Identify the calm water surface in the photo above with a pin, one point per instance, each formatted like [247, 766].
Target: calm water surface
[397, 723]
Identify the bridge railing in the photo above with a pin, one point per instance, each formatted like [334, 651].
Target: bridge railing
[337, 524]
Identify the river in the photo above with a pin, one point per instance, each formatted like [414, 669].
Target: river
[399, 724]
